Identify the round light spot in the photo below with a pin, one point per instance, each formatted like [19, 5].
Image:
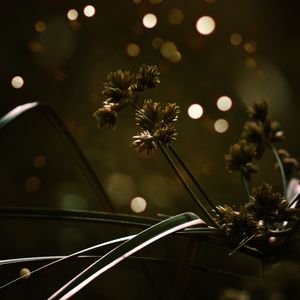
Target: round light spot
[120, 188]
[149, 20]
[195, 111]
[205, 25]
[167, 49]
[224, 103]
[250, 47]
[17, 82]
[89, 11]
[221, 126]
[35, 47]
[133, 50]
[138, 204]
[175, 57]
[39, 161]
[157, 42]
[250, 63]
[236, 39]
[175, 16]
[40, 26]
[72, 14]
[24, 273]
[32, 184]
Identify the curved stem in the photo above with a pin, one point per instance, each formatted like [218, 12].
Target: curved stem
[245, 185]
[281, 168]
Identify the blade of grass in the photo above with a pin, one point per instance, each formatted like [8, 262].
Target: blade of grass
[126, 249]
[64, 258]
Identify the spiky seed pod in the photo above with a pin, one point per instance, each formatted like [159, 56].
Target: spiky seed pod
[259, 110]
[106, 116]
[264, 201]
[149, 115]
[117, 85]
[165, 135]
[144, 142]
[241, 157]
[147, 77]
[236, 223]
[170, 113]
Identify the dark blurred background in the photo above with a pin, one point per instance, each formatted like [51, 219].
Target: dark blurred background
[62, 54]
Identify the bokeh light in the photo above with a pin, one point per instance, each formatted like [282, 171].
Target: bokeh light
[224, 103]
[157, 42]
[17, 82]
[32, 184]
[133, 50]
[89, 11]
[175, 16]
[40, 26]
[205, 25]
[250, 63]
[236, 39]
[221, 126]
[138, 204]
[149, 20]
[175, 57]
[24, 273]
[195, 111]
[169, 51]
[39, 161]
[120, 187]
[250, 47]
[72, 14]
[35, 47]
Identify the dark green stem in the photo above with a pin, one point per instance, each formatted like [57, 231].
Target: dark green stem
[193, 179]
[245, 185]
[281, 168]
[185, 185]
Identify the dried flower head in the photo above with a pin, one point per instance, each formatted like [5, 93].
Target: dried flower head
[149, 116]
[236, 223]
[117, 85]
[147, 77]
[106, 116]
[241, 157]
[170, 113]
[254, 133]
[273, 132]
[259, 110]
[165, 135]
[264, 201]
[290, 164]
[144, 142]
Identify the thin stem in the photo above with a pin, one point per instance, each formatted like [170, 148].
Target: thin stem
[245, 185]
[187, 188]
[200, 189]
[281, 168]
[242, 243]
